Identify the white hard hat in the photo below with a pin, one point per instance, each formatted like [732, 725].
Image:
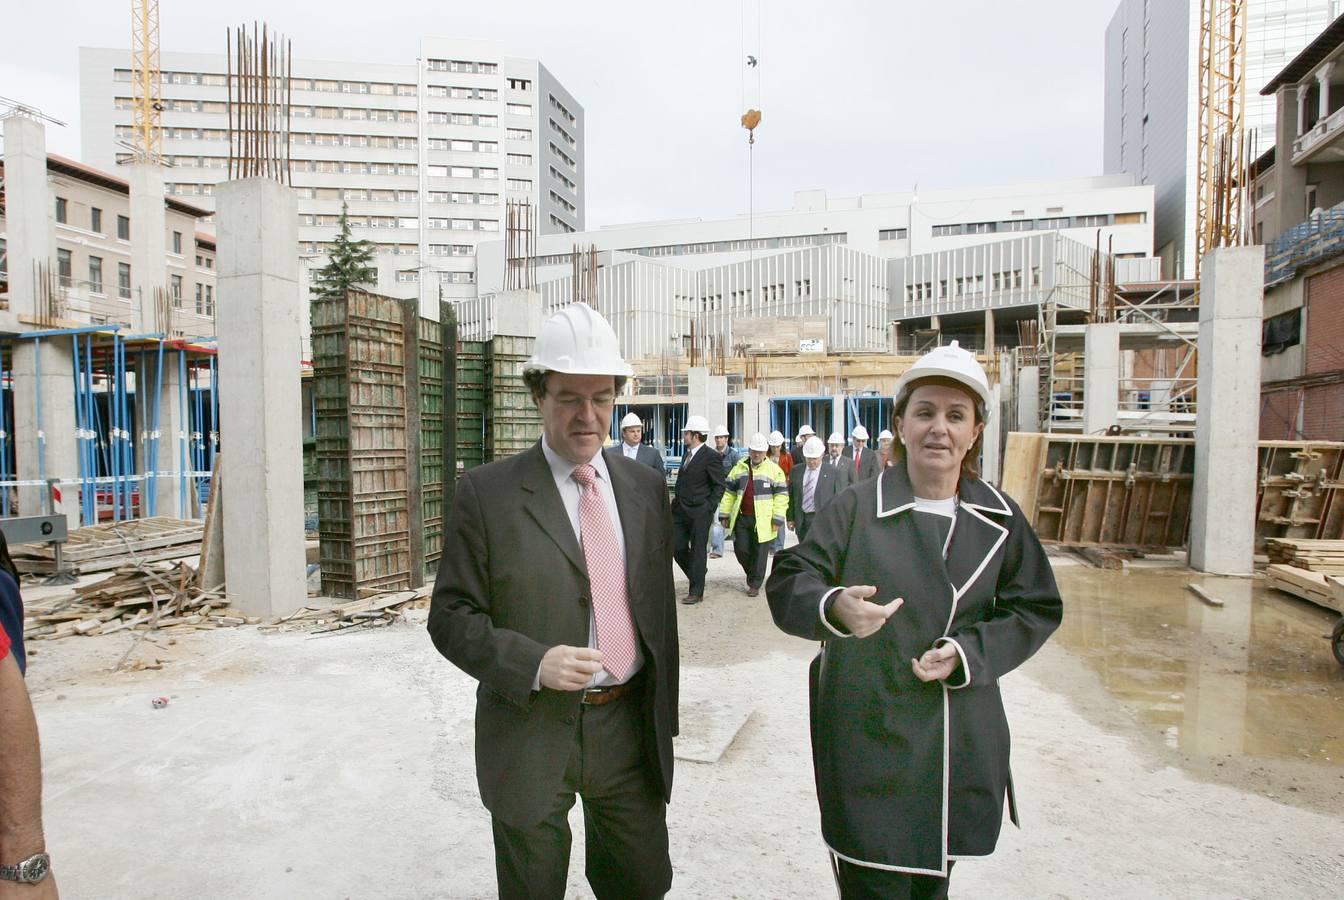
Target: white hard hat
[696, 423]
[805, 431]
[578, 341]
[722, 431]
[758, 443]
[859, 433]
[631, 421]
[835, 438]
[886, 435]
[949, 362]
[776, 439]
[813, 447]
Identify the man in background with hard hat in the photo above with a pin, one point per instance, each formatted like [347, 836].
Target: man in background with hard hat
[555, 592]
[812, 486]
[835, 451]
[797, 453]
[754, 508]
[862, 460]
[730, 454]
[632, 446]
[696, 496]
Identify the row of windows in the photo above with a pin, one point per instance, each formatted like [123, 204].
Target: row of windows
[769, 293]
[1044, 224]
[452, 118]
[413, 275]
[518, 134]
[562, 224]
[96, 221]
[460, 197]
[520, 184]
[555, 126]
[892, 234]
[459, 65]
[520, 159]
[565, 156]
[560, 108]
[463, 224]
[563, 179]
[970, 285]
[520, 84]
[518, 109]
[556, 198]
[354, 113]
[775, 243]
[461, 93]
[322, 85]
[383, 195]
[315, 247]
[170, 104]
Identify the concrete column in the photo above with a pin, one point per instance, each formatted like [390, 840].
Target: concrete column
[990, 454]
[1101, 377]
[1288, 182]
[838, 418]
[751, 415]
[716, 405]
[45, 439]
[162, 460]
[149, 239]
[1222, 517]
[29, 210]
[697, 393]
[1323, 88]
[1029, 399]
[518, 313]
[259, 403]
[1301, 111]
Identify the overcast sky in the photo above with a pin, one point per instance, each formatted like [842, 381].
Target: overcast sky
[857, 97]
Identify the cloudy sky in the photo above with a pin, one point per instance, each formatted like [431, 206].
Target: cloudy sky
[857, 97]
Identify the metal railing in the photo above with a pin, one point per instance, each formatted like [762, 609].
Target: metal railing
[1319, 238]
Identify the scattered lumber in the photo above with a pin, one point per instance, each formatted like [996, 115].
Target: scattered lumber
[1104, 557]
[1319, 588]
[1199, 591]
[103, 548]
[1312, 555]
[374, 611]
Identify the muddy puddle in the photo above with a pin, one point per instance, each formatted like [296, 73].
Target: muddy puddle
[1254, 678]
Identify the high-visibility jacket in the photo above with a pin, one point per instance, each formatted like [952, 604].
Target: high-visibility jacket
[770, 495]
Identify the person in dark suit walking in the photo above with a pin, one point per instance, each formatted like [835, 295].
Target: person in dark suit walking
[812, 486]
[797, 453]
[862, 460]
[631, 446]
[555, 592]
[698, 491]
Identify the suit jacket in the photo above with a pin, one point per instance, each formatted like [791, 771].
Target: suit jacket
[512, 583]
[831, 480]
[868, 466]
[797, 454]
[700, 483]
[646, 454]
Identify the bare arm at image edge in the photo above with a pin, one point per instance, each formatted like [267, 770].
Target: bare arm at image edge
[20, 783]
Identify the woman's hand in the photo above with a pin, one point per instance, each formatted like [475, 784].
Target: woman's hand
[936, 664]
[859, 616]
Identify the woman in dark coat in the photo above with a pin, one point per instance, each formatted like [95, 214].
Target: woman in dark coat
[926, 585]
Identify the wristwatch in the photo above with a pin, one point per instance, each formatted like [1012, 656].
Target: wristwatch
[30, 871]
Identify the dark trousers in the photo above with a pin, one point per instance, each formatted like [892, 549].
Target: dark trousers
[690, 545]
[863, 883]
[752, 555]
[624, 817]
[803, 524]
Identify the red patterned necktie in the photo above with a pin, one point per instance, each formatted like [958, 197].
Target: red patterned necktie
[858, 455]
[606, 576]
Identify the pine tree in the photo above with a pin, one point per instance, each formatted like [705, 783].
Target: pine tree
[350, 264]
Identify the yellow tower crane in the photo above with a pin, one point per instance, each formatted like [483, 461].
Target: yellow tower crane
[1221, 168]
[147, 79]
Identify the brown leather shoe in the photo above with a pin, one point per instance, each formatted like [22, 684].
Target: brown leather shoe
[691, 599]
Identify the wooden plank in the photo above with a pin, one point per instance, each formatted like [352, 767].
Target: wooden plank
[1022, 465]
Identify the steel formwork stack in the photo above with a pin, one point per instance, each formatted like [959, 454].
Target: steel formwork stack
[512, 422]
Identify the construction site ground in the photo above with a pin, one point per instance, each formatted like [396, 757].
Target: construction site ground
[1162, 747]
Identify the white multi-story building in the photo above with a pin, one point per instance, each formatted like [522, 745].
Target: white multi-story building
[425, 154]
[859, 263]
[1152, 99]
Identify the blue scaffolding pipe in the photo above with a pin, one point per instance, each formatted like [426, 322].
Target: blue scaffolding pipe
[63, 332]
[127, 438]
[88, 444]
[198, 430]
[183, 421]
[4, 444]
[153, 455]
[214, 414]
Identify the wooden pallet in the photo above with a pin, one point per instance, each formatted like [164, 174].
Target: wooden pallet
[101, 548]
[1319, 588]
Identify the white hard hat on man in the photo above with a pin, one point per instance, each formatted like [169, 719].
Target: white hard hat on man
[578, 341]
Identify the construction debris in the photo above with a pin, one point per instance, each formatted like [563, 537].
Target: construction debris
[374, 611]
[1319, 588]
[1315, 556]
[102, 548]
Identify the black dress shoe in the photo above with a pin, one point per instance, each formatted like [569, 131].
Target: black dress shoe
[753, 590]
[691, 599]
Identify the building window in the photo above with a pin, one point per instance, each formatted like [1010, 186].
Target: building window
[892, 234]
[1090, 221]
[519, 109]
[1281, 332]
[981, 228]
[946, 230]
[1017, 225]
[123, 228]
[408, 276]
[61, 206]
[520, 184]
[64, 263]
[520, 84]
[205, 300]
[177, 242]
[175, 291]
[1048, 224]
[124, 280]
[95, 274]
[520, 159]
[95, 219]
[518, 134]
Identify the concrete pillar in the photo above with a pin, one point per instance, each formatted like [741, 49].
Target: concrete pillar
[1301, 111]
[149, 239]
[1029, 399]
[45, 440]
[838, 419]
[29, 210]
[259, 404]
[1288, 182]
[1323, 88]
[518, 313]
[989, 332]
[1222, 516]
[990, 453]
[162, 461]
[716, 405]
[1101, 377]
[697, 393]
[751, 415]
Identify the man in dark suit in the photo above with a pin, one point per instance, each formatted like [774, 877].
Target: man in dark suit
[696, 498]
[812, 486]
[797, 453]
[862, 461]
[555, 592]
[631, 446]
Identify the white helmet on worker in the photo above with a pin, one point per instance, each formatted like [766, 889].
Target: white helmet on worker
[813, 447]
[722, 431]
[886, 435]
[578, 341]
[806, 431]
[776, 439]
[698, 424]
[758, 443]
[949, 362]
[631, 421]
[835, 438]
[859, 433]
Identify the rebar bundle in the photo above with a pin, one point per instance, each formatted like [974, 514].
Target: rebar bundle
[260, 66]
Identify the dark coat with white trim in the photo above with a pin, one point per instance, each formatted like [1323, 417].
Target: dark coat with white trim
[910, 774]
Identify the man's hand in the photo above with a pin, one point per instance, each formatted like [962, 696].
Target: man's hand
[791, 528]
[861, 617]
[569, 668]
[936, 664]
[43, 890]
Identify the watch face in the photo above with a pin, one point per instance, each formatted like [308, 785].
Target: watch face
[35, 868]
